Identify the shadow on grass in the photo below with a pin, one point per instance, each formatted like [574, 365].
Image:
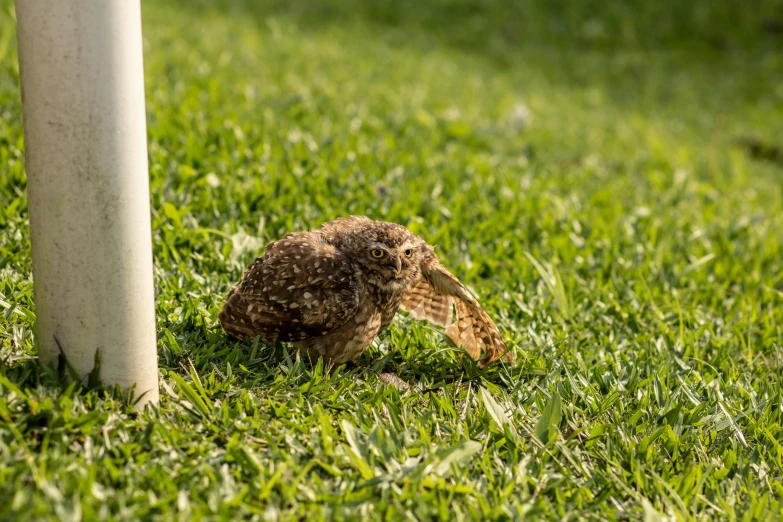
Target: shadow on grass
[499, 27]
[430, 371]
[25, 373]
[262, 363]
[648, 57]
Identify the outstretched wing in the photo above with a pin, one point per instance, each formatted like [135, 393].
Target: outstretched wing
[301, 287]
[432, 299]
[424, 304]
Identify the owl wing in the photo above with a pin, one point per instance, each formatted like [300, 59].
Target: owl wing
[425, 304]
[432, 299]
[301, 287]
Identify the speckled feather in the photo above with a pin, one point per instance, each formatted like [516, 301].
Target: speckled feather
[326, 290]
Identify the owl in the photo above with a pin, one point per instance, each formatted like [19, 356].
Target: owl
[332, 290]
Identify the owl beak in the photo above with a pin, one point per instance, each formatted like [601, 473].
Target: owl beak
[398, 264]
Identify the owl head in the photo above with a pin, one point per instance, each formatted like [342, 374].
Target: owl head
[389, 253]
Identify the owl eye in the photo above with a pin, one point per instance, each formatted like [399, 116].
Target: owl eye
[409, 252]
[377, 253]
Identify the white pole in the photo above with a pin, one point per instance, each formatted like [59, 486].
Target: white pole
[88, 187]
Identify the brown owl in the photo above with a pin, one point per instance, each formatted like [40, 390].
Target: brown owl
[334, 289]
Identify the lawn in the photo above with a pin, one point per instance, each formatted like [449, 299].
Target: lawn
[581, 166]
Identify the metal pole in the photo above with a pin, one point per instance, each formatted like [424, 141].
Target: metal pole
[88, 187]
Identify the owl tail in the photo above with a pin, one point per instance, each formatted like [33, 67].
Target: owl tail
[233, 317]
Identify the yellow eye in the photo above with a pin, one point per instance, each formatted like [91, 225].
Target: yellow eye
[377, 253]
[409, 252]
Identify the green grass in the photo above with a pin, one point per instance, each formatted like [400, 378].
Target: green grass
[575, 163]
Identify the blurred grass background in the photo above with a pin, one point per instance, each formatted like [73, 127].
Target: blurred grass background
[583, 167]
